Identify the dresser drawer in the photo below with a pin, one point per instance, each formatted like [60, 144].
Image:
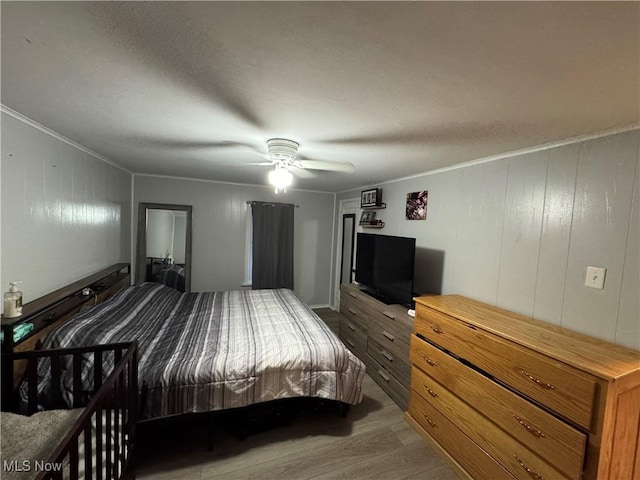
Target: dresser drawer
[353, 338]
[352, 294]
[354, 312]
[516, 458]
[387, 362]
[549, 437]
[396, 366]
[396, 346]
[367, 311]
[391, 318]
[353, 329]
[563, 388]
[469, 455]
[398, 392]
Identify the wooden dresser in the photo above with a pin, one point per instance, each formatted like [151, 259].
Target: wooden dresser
[379, 335]
[505, 396]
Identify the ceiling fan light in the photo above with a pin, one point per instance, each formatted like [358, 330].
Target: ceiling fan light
[280, 178]
[281, 149]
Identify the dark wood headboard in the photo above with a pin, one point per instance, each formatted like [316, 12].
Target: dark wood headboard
[49, 312]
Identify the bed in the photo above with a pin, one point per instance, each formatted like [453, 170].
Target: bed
[208, 351]
[172, 276]
[95, 435]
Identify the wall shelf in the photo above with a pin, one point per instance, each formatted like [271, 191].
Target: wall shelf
[373, 207]
[372, 223]
[376, 207]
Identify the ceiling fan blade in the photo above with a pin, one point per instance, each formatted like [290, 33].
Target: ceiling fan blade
[260, 164]
[184, 144]
[345, 167]
[372, 139]
[302, 173]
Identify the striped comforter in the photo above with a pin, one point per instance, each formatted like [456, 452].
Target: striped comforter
[219, 350]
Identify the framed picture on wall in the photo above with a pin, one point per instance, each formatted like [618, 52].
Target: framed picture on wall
[367, 217]
[417, 205]
[371, 197]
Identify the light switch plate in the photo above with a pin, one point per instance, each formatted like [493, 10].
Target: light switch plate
[595, 277]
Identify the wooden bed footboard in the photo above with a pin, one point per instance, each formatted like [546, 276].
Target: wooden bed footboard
[101, 440]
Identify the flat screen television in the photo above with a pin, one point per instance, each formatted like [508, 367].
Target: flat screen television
[384, 266]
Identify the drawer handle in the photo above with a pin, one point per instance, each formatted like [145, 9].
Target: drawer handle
[533, 474]
[353, 295]
[387, 355]
[384, 376]
[351, 327]
[351, 344]
[430, 392]
[352, 311]
[530, 429]
[430, 422]
[389, 315]
[437, 330]
[429, 361]
[548, 386]
[387, 335]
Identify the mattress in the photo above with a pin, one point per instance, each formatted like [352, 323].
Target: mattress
[217, 350]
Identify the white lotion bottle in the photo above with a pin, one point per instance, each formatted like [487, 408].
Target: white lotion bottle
[12, 301]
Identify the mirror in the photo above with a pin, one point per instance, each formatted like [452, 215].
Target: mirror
[164, 245]
[348, 237]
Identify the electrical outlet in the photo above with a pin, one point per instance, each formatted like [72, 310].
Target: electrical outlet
[595, 277]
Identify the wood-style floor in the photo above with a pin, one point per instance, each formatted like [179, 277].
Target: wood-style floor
[372, 442]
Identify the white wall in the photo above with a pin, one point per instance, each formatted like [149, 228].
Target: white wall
[219, 212]
[65, 213]
[519, 233]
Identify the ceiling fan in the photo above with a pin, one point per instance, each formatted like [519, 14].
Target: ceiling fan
[282, 151]
[282, 154]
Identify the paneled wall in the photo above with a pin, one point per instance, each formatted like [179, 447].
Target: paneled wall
[65, 213]
[219, 222]
[519, 233]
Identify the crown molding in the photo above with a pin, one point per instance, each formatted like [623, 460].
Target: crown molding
[171, 177]
[32, 123]
[513, 153]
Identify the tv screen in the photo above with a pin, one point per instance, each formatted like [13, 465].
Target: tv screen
[384, 265]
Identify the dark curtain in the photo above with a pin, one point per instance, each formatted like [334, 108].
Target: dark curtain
[272, 245]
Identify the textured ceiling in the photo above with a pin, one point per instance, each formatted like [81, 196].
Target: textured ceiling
[194, 89]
